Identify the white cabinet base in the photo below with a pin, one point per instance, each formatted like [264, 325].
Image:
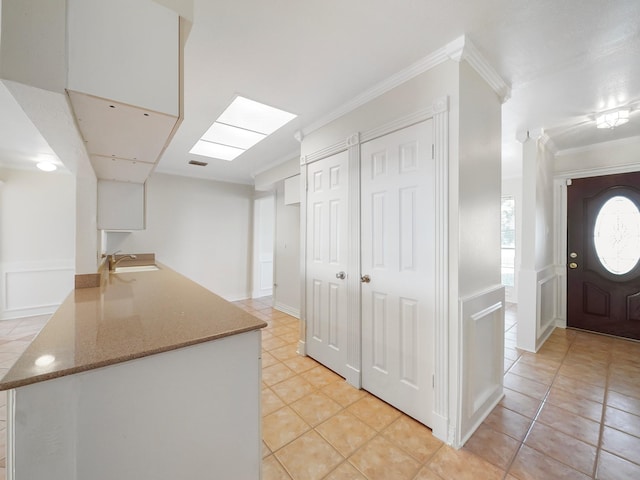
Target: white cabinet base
[190, 413]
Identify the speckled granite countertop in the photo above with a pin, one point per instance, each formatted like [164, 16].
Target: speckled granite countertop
[131, 315]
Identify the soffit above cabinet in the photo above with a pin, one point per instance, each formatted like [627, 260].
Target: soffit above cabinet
[124, 142]
[122, 169]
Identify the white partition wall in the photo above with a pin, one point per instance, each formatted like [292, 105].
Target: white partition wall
[538, 276]
[465, 295]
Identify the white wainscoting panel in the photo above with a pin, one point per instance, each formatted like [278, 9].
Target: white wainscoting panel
[547, 307]
[482, 341]
[34, 289]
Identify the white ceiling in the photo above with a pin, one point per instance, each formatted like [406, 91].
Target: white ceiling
[565, 61]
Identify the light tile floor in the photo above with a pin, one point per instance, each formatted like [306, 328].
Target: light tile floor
[570, 411]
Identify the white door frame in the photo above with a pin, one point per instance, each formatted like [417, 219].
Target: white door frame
[258, 288]
[560, 220]
[443, 424]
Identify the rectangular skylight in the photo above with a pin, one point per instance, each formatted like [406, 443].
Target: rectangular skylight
[243, 124]
[216, 150]
[232, 136]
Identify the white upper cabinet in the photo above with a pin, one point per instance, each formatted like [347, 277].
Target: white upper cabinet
[121, 206]
[124, 83]
[124, 50]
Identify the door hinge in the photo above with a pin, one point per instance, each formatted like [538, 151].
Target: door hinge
[433, 151]
[433, 381]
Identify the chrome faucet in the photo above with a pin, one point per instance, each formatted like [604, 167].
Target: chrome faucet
[113, 262]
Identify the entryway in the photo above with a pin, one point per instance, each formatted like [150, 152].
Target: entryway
[603, 253]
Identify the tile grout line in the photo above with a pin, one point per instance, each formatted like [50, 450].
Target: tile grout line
[342, 409]
[537, 414]
[602, 416]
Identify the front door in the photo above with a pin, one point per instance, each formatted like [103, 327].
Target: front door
[603, 241]
[398, 268]
[327, 249]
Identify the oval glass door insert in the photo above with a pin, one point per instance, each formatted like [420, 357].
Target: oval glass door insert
[616, 235]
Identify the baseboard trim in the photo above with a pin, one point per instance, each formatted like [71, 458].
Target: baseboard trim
[294, 312]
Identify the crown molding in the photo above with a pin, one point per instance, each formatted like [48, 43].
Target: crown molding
[459, 49]
[473, 57]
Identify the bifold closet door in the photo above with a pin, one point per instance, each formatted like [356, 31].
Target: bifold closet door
[398, 271]
[326, 288]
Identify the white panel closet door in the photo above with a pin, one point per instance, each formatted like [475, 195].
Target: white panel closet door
[398, 247]
[326, 303]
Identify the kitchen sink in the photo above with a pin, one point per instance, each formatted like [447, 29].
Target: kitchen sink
[136, 268]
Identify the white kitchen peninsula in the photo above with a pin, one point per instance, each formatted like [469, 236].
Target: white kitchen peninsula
[149, 376]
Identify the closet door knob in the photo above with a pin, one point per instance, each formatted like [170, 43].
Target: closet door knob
[365, 279]
[341, 275]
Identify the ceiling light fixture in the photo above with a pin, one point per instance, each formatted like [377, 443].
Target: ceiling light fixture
[243, 124]
[612, 119]
[47, 166]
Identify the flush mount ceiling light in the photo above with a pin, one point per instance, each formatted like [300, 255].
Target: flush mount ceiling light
[612, 119]
[47, 166]
[243, 124]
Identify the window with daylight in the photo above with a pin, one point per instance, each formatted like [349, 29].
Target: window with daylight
[508, 240]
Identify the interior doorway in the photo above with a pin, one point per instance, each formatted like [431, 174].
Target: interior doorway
[603, 253]
[263, 243]
[394, 271]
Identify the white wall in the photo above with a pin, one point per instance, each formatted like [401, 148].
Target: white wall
[267, 180]
[287, 255]
[480, 325]
[538, 276]
[37, 241]
[200, 228]
[413, 95]
[544, 208]
[88, 246]
[51, 115]
[623, 154]
[479, 190]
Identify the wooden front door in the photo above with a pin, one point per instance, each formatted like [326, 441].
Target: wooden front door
[603, 242]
